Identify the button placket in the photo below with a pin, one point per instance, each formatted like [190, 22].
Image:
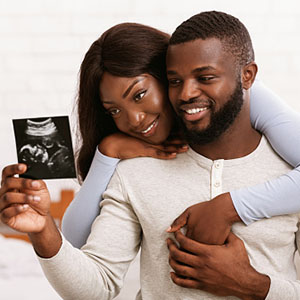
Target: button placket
[216, 178]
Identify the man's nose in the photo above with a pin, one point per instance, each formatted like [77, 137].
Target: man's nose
[135, 118]
[189, 90]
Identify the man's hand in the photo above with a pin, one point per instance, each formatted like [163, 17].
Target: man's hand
[208, 222]
[25, 206]
[221, 270]
[122, 146]
[24, 203]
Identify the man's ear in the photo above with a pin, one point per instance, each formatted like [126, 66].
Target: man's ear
[249, 72]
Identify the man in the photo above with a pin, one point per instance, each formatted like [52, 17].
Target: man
[209, 79]
[209, 65]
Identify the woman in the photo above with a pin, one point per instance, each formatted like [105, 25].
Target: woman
[101, 124]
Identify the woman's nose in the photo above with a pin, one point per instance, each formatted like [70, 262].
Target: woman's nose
[135, 118]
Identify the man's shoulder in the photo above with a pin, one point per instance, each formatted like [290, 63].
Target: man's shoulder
[141, 166]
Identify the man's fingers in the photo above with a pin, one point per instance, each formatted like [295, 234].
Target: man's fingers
[180, 269]
[179, 255]
[11, 183]
[179, 222]
[186, 282]
[10, 198]
[13, 211]
[12, 170]
[191, 245]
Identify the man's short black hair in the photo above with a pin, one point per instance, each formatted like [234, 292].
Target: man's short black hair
[213, 24]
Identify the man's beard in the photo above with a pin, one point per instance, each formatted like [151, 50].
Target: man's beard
[220, 120]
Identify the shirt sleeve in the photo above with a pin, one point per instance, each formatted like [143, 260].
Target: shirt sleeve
[281, 288]
[97, 270]
[81, 213]
[281, 125]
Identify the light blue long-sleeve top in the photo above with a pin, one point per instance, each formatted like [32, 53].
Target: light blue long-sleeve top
[270, 115]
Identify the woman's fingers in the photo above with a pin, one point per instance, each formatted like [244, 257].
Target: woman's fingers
[157, 153]
[170, 148]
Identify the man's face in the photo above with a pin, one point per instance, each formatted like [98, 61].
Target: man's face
[204, 88]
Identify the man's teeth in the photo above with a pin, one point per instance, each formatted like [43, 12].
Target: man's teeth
[195, 110]
[149, 128]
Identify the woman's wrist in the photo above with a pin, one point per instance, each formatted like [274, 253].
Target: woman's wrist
[107, 147]
[225, 202]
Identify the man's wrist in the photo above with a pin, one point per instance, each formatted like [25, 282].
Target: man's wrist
[257, 287]
[47, 242]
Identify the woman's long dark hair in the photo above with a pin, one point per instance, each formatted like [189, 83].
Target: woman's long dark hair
[125, 50]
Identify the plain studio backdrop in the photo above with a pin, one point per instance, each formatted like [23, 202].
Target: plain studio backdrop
[42, 43]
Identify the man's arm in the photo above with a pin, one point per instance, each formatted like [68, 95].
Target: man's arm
[96, 271]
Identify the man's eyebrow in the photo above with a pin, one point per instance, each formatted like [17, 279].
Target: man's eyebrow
[205, 68]
[171, 72]
[131, 86]
[197, 70]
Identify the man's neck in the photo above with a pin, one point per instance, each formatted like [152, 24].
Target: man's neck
[238, 141]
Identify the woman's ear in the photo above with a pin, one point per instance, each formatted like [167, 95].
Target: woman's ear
[249, 72]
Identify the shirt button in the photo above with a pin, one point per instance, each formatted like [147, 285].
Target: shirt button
[217, 165]
[217, 184]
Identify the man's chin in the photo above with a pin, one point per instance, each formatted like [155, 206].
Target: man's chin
[197, 126]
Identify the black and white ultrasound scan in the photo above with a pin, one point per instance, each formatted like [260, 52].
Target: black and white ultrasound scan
[45, 146]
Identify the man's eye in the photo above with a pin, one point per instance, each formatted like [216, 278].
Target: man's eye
[174, 82]
[113, 111]
[205, 78]
[139, 96]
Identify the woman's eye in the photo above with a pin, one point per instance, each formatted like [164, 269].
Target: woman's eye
[139, 96]
[114, 111]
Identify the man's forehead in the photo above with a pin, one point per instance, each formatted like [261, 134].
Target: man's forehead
[208, 52]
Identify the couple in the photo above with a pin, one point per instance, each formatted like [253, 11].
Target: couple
[210, 69]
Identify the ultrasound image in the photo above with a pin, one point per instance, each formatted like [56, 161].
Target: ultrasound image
[45, 146]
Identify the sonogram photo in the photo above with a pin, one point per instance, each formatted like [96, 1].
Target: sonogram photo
[45, 146]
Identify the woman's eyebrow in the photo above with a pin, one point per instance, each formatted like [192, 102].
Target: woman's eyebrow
[131, 86]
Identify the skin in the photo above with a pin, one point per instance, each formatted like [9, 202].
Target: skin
[219, 270]
[136, 103]
[201, 70]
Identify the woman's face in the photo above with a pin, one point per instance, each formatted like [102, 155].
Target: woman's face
[138, 105]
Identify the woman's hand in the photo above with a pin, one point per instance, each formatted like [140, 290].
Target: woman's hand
[24, 203]
[208, 222]
[122, 146]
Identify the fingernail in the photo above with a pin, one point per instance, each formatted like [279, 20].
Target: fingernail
[173, 154]
[25, 206]
[169, 229]
[36, 198]
[35, 184]
[185, 147]
[20, 167]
